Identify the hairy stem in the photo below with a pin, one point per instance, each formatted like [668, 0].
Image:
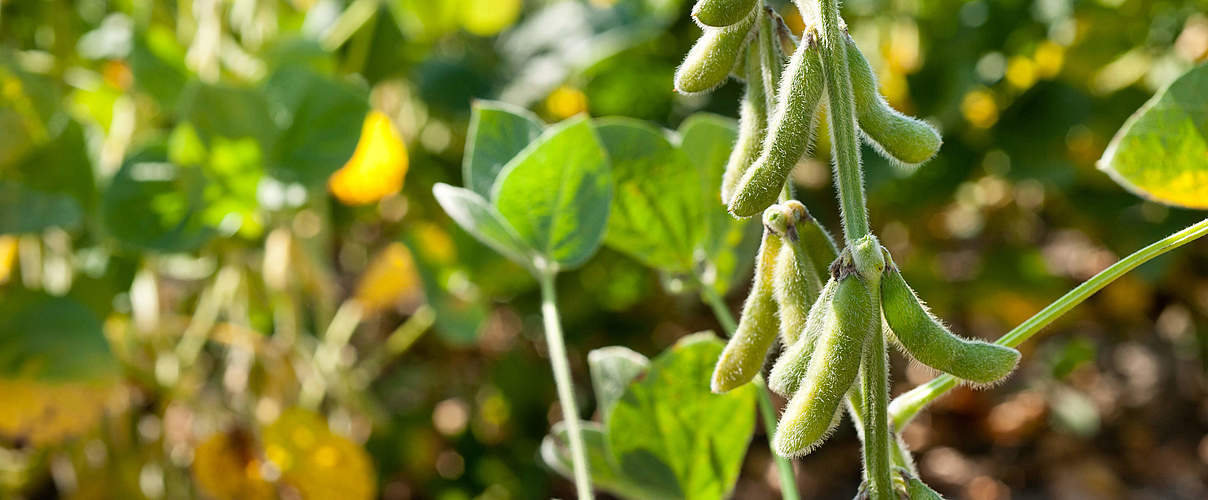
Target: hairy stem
[906, 406]
[566, 391]
[788, 481]
[874, 384]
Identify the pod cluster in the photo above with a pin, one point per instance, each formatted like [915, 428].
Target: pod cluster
[824, 325]
[778, 111]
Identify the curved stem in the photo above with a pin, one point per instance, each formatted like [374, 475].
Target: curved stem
[906, 406]
[788, 481]
[566, 392]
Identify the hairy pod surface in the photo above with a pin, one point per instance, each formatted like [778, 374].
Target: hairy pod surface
[744, 354]
[814, 238]
[721, 13]
[788, 134]
[796, 287]
[925, 339]
[711, 59]
[792, 364]
[896, 136]
[833, 366]
[752, 124]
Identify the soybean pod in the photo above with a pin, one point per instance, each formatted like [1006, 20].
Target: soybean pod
[896, 136]
[721, 13]
[796, 287]
[925, 339]
[752, 123]
[813, 410]
[711, 59]
[788, 135]
[792, 364]
[747, 349]
[813, 238]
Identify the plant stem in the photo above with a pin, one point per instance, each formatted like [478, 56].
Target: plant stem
[788, 481]
[874, 384]
[848, 174]
[906, 406]
[566, 392]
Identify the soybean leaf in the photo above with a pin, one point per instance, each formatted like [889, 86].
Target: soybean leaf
[226, 111]
[654, 213]
[24, 210]
[671, 420]
[498, 131]
[479, 218]
[555, 451]
[612, 369]
[52, 339]
[158, 64]
[61, 166]
[319, 122]
[556, 194]
[1161, 152]
[154, 204]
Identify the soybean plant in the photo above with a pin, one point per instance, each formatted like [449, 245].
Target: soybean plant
[835, 310]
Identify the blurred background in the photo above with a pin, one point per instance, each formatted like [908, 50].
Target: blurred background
[223, 273]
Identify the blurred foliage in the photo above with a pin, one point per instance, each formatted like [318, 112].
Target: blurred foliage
[208, 250]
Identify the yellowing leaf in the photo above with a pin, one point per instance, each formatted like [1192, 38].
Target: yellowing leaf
[488, 17]
[45, 413]
[390, 279]
[8, 254]
[316, 462]
[227, 467]
[377, 167]
[565, 102]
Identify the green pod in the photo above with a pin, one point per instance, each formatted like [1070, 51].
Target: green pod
[711, 59]
[792, 364]
[752, 123]
[812, 412]
[796, 287]
[813, 238]
[925, 339]
[896, 136]
[743, 357]
[721, 13]
[788, 135]
[916, 489]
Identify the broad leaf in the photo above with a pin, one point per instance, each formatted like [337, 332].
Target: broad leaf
[24, 210]
[556, 194]
[154, 204]
[498, 131]
[52, 339]
[555, 451]
[226, 111]
[1161, 152]
[61, 166]
[612, 369]
[319, 122]
[655, 212]
[670, 420]
[479, 218]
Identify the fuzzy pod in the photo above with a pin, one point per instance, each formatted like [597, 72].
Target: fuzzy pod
[721, 13]
[743, 357]
[792, 364]
[925, 339]
[812, 412]
[788, 135]
[711, 59]
[752, 124]
[896, 136]
[797, 286]
[813, 238]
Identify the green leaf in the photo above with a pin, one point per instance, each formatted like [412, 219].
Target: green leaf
[670, 419]
[319, 121]
[612, 369]
[479, 218]
[24, 210]
[1161, 152]
[655, 212]
[555, 451]
[556, 194]
[54, 339]
[498, 131]
[226, 111]
[158, 64]
[61, 166]
[156, 205]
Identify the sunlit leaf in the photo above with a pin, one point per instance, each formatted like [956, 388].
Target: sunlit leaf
[227, 466]
[315, 461]
[556, 194]
[390, 279]
[612, 370]
[488, 17]
[154, 204]
[377, 167]
[479, 218]
[555, 451]
[670, 420]
[1161, 152]
[498, 132]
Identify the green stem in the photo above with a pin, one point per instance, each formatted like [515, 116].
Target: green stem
[846, 151]
[874, 385]
[788, 481]
[906, 406]
[566, 392]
